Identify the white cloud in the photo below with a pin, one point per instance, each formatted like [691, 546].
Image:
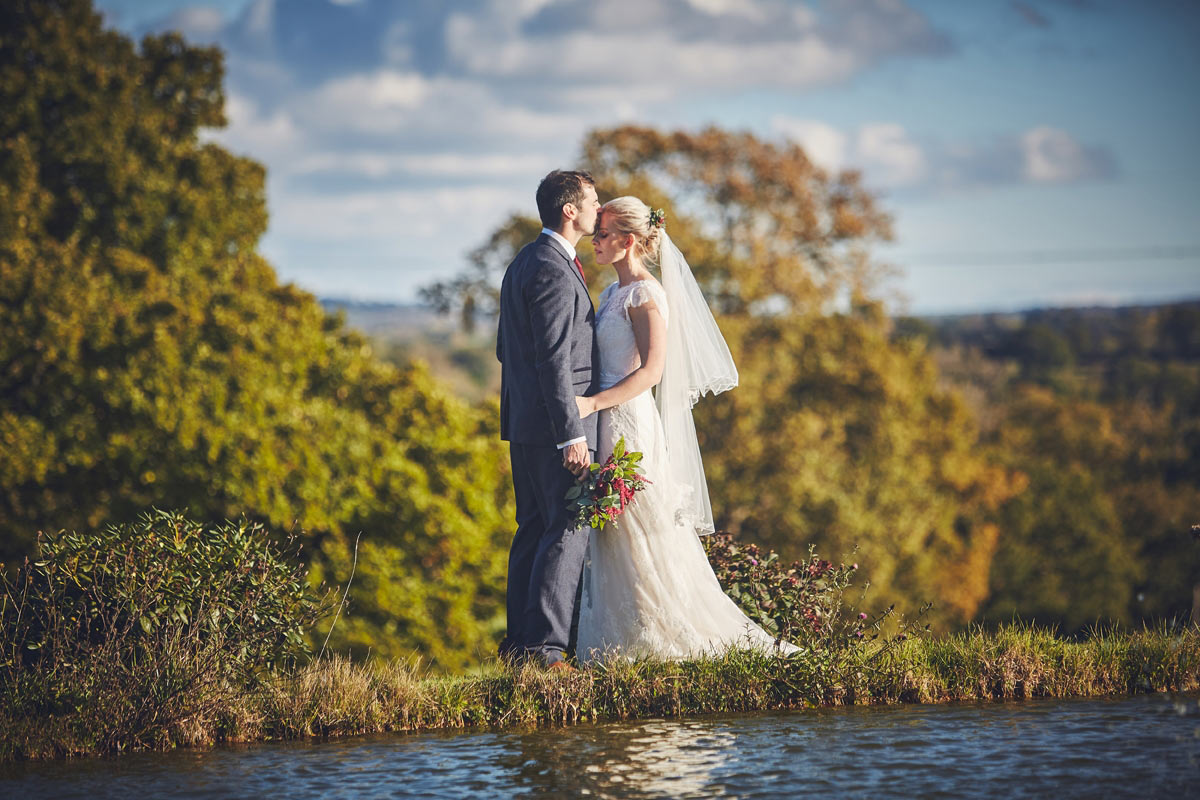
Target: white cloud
[889, 156]
[197, 23]
[824, 144]
[250, 132]
[1052, 155]
[374, 164]
[649, 60]
[404, 126]
[408, 110]
[883, 150]
[524, 8]
[892, 157]
[690, 46]
[396, 47]
[379, 102]
[393, 217]
[259, 18]
[717, 7]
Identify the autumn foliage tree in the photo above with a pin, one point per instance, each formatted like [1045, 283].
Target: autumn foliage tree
[837, 436]
[1099, 410]
[150, 356]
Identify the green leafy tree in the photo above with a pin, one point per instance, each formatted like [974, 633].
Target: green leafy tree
[151, 356]
[1097, 409]
[1065, 558]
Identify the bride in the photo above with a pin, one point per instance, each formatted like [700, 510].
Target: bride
[648, 588]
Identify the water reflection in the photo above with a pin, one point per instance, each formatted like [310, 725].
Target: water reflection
[1129, 747]
[650, 758]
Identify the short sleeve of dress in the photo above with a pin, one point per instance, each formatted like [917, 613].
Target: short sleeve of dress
[645, 291]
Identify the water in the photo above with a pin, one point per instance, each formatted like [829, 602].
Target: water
[1138, 747]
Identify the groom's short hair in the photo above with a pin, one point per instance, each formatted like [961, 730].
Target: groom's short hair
[556, 190]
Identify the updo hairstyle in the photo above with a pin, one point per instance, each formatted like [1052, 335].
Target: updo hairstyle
[630, 215]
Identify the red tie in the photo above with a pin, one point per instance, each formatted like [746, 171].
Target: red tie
[579, 267]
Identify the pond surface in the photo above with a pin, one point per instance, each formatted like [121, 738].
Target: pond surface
[1147, 746]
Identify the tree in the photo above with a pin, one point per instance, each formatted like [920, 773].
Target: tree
[1065, 558]
[1097, 409]
[837, 436]
[151, 356]
[475, 293]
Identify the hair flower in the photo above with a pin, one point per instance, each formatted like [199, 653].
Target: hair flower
[658, 218]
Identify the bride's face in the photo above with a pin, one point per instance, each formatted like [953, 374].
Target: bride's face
[606, 242]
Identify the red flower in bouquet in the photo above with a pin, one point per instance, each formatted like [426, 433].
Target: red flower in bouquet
[602, 495]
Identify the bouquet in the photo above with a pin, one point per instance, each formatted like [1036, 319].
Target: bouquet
[601, 496]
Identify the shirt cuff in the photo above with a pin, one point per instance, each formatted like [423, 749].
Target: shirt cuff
[576, 440]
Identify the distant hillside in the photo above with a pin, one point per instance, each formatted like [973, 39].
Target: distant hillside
[1108, 354]
[1169, 330]
[1090, 330]
[409, 331]
[389, 320]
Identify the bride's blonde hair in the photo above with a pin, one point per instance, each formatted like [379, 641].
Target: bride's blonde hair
[629, 215]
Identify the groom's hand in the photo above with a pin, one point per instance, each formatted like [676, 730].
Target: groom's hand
[576, 458]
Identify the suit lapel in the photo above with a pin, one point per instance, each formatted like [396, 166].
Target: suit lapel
[558, 248]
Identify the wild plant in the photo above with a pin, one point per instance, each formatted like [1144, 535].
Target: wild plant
[125, 632]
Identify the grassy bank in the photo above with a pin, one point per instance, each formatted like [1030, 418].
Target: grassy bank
[334, 697]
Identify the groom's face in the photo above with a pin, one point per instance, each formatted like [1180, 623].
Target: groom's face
[589, 210]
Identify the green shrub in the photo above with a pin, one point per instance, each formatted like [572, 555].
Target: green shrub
[802, 602]
[127, 631]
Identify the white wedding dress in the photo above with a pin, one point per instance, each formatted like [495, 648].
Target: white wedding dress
[648, 588]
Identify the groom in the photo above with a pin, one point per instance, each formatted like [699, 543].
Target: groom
[547, 351]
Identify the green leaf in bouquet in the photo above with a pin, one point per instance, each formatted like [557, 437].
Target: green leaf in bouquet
[574, 492]
[619, 448]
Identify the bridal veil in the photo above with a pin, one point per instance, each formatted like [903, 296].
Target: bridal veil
[698, 362]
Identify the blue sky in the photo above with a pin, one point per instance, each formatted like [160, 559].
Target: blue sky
[1032, 153]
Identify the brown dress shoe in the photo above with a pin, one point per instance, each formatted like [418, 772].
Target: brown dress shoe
[561, 666]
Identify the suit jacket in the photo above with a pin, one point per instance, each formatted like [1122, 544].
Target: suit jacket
[546, 344]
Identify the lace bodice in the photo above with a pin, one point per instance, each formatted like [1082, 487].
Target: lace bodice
[614, 332]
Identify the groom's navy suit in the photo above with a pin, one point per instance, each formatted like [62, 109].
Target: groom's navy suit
[547, 348]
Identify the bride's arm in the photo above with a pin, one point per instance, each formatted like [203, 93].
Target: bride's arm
[650, 333]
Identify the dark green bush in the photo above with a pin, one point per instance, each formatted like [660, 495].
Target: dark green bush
[802, 602]
[805, 602]
[136, 627]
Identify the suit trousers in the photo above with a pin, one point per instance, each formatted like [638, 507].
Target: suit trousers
[545, 564]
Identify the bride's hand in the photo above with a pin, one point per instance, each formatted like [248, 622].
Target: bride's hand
[587, 406]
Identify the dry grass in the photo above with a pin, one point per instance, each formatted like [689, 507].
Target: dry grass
[336, 697]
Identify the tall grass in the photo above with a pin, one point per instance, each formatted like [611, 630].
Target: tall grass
[336, 697]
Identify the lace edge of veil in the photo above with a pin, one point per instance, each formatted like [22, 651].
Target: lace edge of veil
[715, 388]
